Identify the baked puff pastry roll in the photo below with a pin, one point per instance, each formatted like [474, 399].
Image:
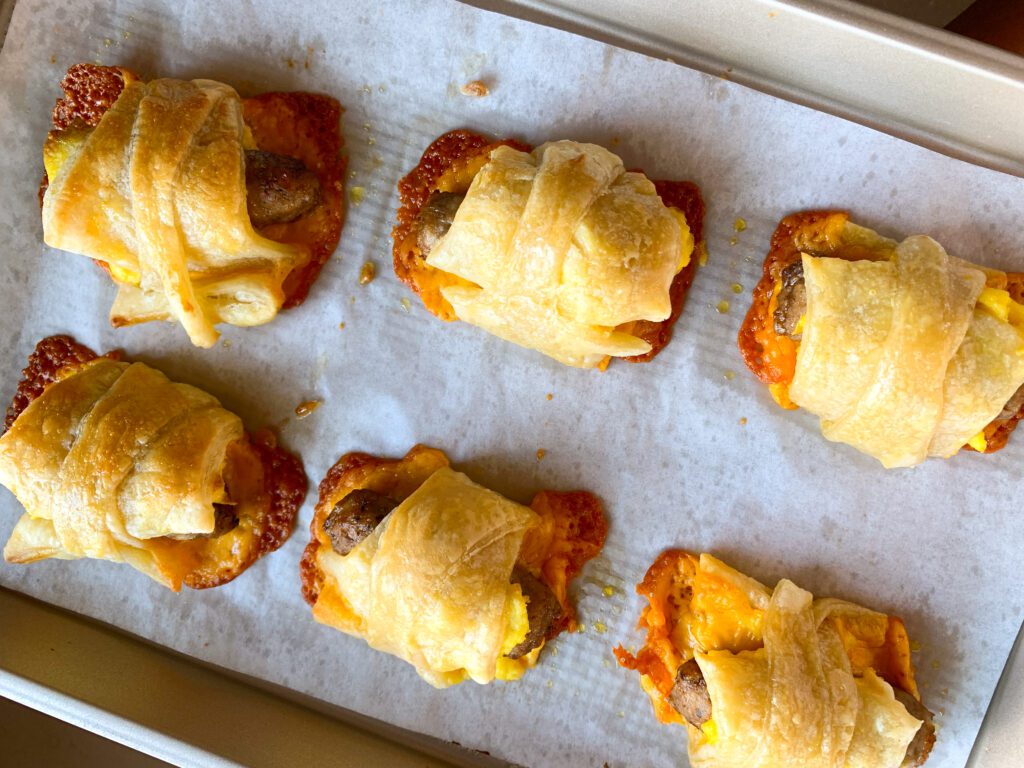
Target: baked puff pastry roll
[775, 678]
[559, 249]
[112, 460]
[455, 579]
[901, 350]
[204, 207]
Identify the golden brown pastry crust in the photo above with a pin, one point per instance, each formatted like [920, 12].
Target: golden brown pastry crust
[771, 357]
[571, 529]
[461, 149]
[299, 125]
[698, 606]
[258, 469]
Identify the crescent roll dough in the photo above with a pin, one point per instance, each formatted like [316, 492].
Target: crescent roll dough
[157, 190]
[902, 351]
[432, 583]
[558, 249]
[787, 679]
[114, 461]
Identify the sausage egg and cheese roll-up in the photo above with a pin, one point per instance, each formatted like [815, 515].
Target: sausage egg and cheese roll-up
[203, 207]
[558, 248]
[775, 678]
[112, 460]
[902, 350]
[455, 579]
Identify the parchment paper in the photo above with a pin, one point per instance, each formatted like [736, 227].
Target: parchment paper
[663, 444]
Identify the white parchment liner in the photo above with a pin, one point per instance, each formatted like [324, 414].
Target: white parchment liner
[662, 444]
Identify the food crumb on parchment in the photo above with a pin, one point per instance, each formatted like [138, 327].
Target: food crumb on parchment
[541, 453]
[303, 409]
[702, 259]
[367, 272]
[743, 421]
[915, 646]
[737, 288]
[406, 304]
[729, 375]
[226, 343]
[608, 591]
[476, 88]
[341, 326]
[356, 195]
[733, 240]
[549, 396]
[722, 307]
[740, 225]
[600, 627]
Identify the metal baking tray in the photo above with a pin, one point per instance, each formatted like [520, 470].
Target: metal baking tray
[910, 80]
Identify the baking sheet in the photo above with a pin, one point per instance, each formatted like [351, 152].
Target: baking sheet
[662, 444]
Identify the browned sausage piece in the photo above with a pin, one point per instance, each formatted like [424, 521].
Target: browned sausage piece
[278, 188]
[542, 610]
[689, 696]
[355, 517]
[921, 746]
[435, 219]
[792, 301]
[1013, 406]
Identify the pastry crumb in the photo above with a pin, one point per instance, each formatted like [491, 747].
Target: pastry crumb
[600, 627]
[729, 375]
[356, 195]
[608, 590]
[743, 421]
[226, 343]
[476, 88]
[367, 273]
[406, 305]
[303, 409]
[722, 307]
[341, 326]
[740, 225]
[733, 240]
[737, 288]
[550, 395]
[541, 453]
